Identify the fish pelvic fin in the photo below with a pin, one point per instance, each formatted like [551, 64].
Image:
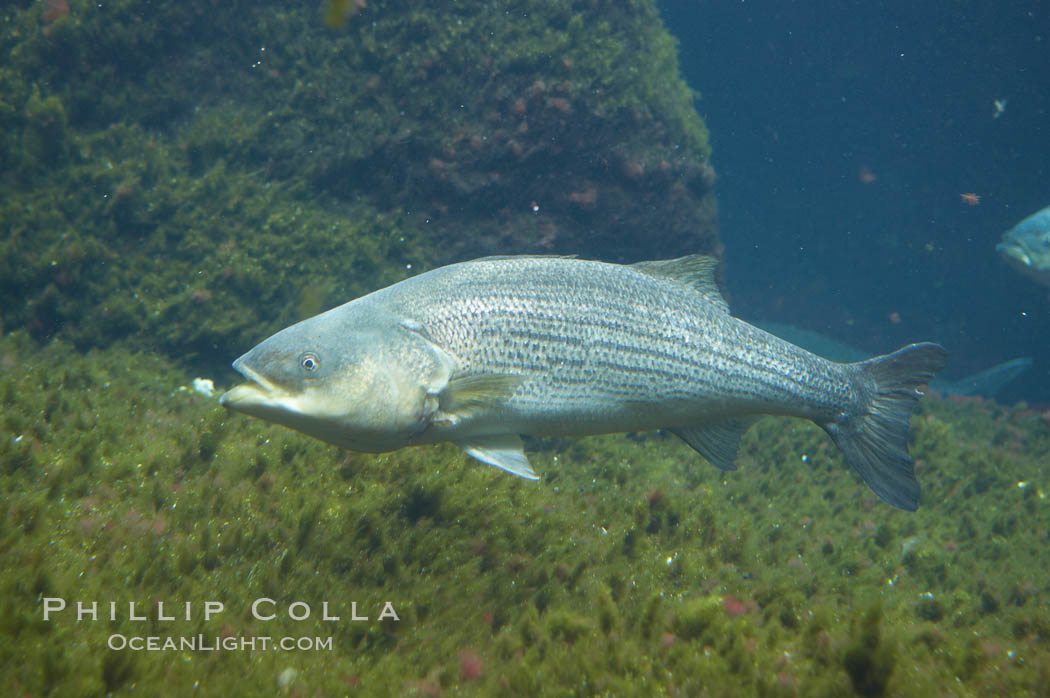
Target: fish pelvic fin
[503, 451]
[874, 440]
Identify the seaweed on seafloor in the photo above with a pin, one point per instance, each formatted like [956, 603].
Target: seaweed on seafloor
[632, 567]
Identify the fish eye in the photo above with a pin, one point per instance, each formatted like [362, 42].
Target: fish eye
[309, 362]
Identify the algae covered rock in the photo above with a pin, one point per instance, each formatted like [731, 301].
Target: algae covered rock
[186, 173]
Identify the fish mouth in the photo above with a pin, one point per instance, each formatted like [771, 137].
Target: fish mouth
[259, 392]
[1015, 253]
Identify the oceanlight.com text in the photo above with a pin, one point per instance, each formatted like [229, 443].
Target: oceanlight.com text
[202, 643]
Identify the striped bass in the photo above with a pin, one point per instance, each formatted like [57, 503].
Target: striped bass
[1026, 246]
[479, 352]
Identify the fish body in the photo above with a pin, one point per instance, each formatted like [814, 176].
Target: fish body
[986, 383]
[1026, 246]
[480, 352]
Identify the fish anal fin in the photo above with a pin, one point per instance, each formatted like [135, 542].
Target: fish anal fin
[717, 441]
[505, 451]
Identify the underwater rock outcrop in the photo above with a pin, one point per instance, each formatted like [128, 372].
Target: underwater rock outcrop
[182, 173]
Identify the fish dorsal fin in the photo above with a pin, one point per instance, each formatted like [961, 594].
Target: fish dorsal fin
[717, 441]
[500, 257]
[696, 271]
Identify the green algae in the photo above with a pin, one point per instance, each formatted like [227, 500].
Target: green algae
[127, 244]
[176, 174]
[631, 568]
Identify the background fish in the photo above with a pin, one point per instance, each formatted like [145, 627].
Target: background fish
[1026, 246]
[479, 352]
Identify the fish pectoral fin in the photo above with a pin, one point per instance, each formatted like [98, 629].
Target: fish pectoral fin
[504, 451]
[717, 441]
[465, 394]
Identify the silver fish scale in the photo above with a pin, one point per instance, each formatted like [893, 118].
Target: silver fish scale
[613, 346]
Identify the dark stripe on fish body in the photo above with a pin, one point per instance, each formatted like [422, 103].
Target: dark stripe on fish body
[528, 329]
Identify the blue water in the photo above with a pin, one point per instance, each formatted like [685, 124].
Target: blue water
[803, 97]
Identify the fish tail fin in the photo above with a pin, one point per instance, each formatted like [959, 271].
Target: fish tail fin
[874, 438]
